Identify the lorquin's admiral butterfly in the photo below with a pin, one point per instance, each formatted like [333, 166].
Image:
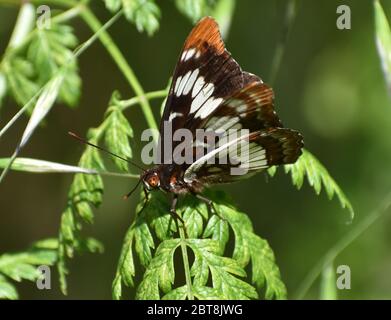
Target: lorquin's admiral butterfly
[210, 91]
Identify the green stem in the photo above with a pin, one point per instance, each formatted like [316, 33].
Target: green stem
[186, 265]
[148, 96]
[330, 256]
[290, 15]
[119, 59]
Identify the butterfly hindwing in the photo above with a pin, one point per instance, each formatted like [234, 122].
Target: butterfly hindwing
[234, 160]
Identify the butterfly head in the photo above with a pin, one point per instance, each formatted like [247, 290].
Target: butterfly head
[151, 179]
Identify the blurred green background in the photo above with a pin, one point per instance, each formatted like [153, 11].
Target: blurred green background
[329, 86]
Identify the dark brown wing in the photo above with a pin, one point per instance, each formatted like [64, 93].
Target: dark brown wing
[249, 154]
[204, 76]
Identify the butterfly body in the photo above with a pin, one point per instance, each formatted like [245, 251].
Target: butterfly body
[169, 178]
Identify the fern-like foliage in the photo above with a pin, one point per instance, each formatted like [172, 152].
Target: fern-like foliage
[27, 68]
[317, 175]
[145, 14]
[213, 273]
[86, 190]
[23, 266]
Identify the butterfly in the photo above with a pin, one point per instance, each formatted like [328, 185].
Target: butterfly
[211, 93]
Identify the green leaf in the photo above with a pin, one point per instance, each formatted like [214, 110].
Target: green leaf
[144, 14]
[7, 290]
[223, 270]
[143, 242]
[117, 135]
[264, 268]
[85, 191]
[158, 215]
[317, 176]
[19, 74]
[218, 230]
[50, 49]
[88, 187]
[159, 273]
[250, 247]
[179, 293]
[23, 266]
[383, 41]
[46, 55]
[207, 293]
[125, 269]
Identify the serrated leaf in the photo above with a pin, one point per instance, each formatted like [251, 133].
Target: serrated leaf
[383, 41]
[50, 49]
[218, 230]
[207, 293]
[67, 225]
[179, 293]
[272, 171]
[117, 136]
[23, 266]
[88, 187]
[116, 288]
[193, 222]
[7, 290]
[51, 243]
[19, 73]
[125, 269]
[317, 175]
[158, 215]
[238, 222]
[160, 272]
[250, 247]
[144, 14]
[143, 242]
[85, 190]
[264, 268]
[223, 270]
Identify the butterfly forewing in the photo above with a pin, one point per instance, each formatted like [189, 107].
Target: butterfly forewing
[209, 91]
[204, 76]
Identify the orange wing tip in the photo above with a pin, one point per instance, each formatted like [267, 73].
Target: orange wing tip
[206, 31]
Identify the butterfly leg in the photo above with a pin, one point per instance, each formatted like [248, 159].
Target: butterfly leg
[175, 215]
[209, 204]
[146, 194]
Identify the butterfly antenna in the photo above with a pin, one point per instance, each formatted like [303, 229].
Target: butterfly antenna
[125, 197]
[74, 135]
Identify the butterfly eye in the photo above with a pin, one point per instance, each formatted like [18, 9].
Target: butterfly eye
[153, 181]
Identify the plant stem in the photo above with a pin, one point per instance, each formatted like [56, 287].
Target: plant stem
[148, 96]
[119, 59]
[290, 15]
[186, 265]
[330, 256]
